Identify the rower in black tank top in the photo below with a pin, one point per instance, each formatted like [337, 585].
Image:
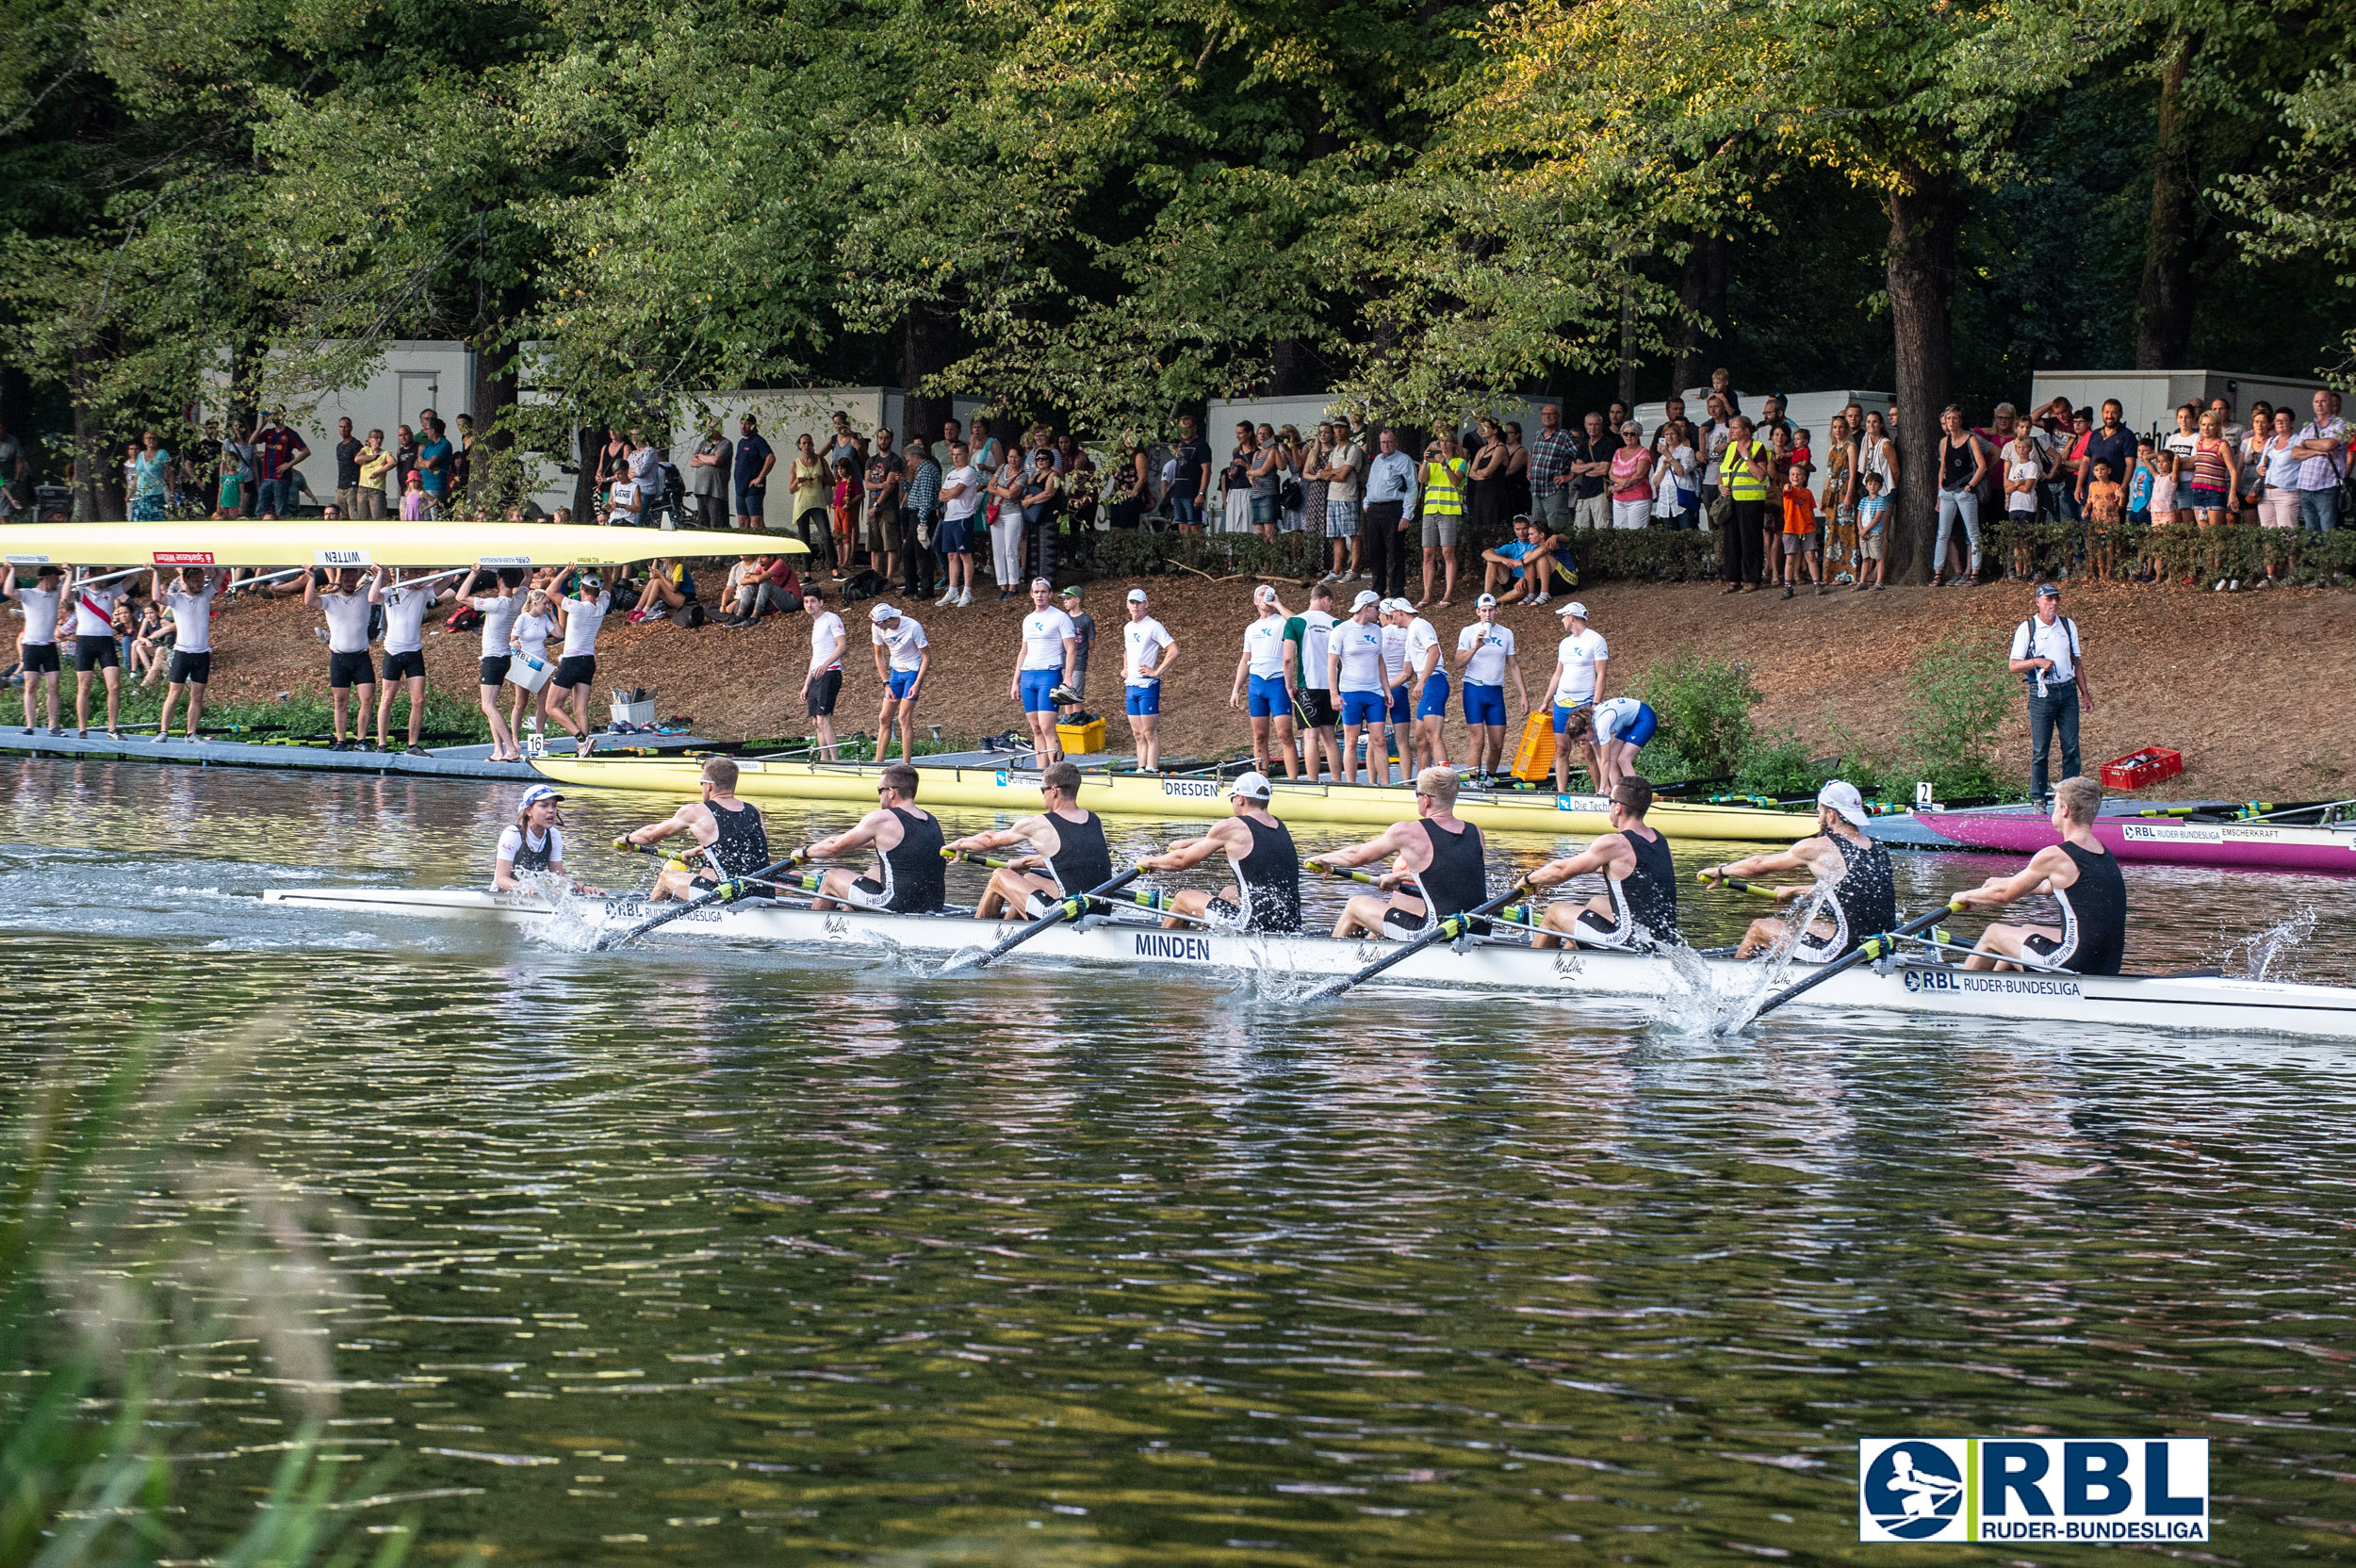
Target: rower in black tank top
[1458, 877]
[1083, 859]
[1864, 903]
[742, 846]
[532, 857]
[2094, 916]
[1644, 903]
[1270, 880]
[915, 875]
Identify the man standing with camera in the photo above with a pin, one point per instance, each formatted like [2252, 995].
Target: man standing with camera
[2047, 655]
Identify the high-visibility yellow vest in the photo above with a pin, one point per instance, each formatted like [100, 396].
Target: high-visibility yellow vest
[1444, 487]
[1735, 473]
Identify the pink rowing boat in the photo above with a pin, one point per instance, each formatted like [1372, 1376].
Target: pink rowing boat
[2324, 847]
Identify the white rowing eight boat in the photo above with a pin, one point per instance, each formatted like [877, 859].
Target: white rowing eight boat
[1923, 987]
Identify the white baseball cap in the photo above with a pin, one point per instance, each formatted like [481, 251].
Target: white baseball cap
[1395, 607]
[1366, 597]
[1264, 593]
[1251, 786]
[1574, 607]
[883, 613]
[1486, 601]
[1043, 582]
[1136, 596]
[1843, 797]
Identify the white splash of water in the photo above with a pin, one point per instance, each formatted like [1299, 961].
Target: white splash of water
[2261, 951]
[1768, 975]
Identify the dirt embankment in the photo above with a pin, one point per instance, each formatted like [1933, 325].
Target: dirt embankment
[2250, 687]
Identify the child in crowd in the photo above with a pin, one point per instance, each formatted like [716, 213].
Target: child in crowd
[414, 505]
[2024, 470]
[1803, 451]
[845, 480]
[2140, 485]
[2106, 506]
[1799, 531]
[1873, 536]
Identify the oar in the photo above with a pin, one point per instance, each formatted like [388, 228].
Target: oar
[1153, 901]
[1066, 909]
[1740, 883]
[273, 576]
[1873, 947]
[734, 888]
[1448, 930]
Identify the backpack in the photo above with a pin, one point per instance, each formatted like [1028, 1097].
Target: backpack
[865, 583]
[692, 616]
[465, 618]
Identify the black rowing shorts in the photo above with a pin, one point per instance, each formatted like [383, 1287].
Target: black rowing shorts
[41, 659]
[495, 670]
[350, 669]
[823, 692]
[406, 666]
[96, 653]
[578, 670]
[190, 669]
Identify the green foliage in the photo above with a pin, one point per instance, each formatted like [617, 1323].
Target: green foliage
[1955, 697]
[2183, 552]
[88, 1388]
[1776, 763]
[1704, 704]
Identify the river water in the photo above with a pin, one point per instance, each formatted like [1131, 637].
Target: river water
[705, 1257]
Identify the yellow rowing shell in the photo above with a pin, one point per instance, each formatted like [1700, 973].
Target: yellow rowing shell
[1156, 795]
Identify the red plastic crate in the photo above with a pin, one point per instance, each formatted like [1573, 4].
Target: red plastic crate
[2139, 769]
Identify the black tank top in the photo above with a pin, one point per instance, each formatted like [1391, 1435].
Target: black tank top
[1084, 860]
[1458, 879]
[919, 877]
[529, 858]
[2096, 907]
[742, 846]
[1955, 464]
[1867, 893]
[1269, 878]
[1649, 893]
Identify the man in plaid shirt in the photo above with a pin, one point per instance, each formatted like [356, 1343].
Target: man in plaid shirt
[1550, 471]
[919, 526]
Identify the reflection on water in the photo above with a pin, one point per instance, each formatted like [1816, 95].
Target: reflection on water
[687, 1256]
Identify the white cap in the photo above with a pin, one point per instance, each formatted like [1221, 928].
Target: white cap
[1251, 786]
[1843, 797]
[1486, 601]
[1574, 607]
[1395, 607]
[1136, 596]
[1366, 597]
[1264, 593]
[1043, 582]
[883, 613]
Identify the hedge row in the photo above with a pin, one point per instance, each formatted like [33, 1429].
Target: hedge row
[1658, 555]
[2180, 551]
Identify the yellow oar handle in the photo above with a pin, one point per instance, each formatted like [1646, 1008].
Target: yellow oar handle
[1740, 883]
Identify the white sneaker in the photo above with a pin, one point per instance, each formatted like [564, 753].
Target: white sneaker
[948, 596]
[965, 599]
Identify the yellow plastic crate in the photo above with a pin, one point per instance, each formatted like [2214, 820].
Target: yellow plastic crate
[1081, 740]
[1535, 759]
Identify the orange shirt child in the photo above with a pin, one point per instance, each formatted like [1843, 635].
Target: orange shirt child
[1799, 510]
[2106, 500]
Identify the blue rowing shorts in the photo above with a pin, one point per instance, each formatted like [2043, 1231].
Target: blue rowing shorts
[1485, 705]
[902, 683]
[1267, 698]
[1036, 685]
[1432, 704]
[1362, 707]
[1402, 711]
[1143, 701]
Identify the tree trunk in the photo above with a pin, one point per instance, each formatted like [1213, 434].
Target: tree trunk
[1922, 261]
[2165, 303]
[592, 439]
[97, 465]
[926, 346]
[1627, 343]
[1295, 370]
[1702, 296]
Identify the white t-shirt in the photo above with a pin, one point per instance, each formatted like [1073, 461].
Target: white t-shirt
[1490, 646]
[512, 844]
[581, 619]
[1043, 635]
[825, 642]
[405, 610]
[41, 614]
[2016, 470]
[905, 639]
[191, 619]
[1141, 643]
[1579, 656]
[647, 474]
[499, 613]
[531, 636]
[1394, 654]
[1360, 645]
[1422, 640]
[346, 621]
[964, 505]
[2034, 638]
[1264, 645]
[1613, 716]
[1348, 461]
[93, 611]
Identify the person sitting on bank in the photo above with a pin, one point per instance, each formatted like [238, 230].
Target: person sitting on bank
[669, 587]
